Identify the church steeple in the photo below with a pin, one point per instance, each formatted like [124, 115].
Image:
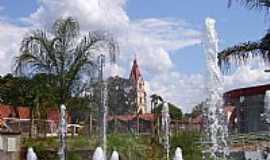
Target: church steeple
[138, 82]
[135, 73]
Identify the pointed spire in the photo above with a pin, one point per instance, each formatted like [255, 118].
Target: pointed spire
[135, 73]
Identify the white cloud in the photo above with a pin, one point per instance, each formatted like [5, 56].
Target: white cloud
[181, 89]
[248, 75]
[152, 39]
[154, 60]
[92, 14]
[9, 43]
[170, 34]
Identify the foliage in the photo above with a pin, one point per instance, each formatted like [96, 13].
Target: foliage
[14, 90]
[187, 141]
[121, 95]
[155, 101]
[61, 54]
[259, 4]
[134, 147]
[129, 146]
[241, 52]
[175, 112]
[198, 110]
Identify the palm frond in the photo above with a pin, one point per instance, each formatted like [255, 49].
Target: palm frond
[62, 55]
[241, 53]
[66, 29]
[253, 4]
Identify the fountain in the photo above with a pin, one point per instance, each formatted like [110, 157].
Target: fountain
[105, 110]
[31, 155]
[178, 154]
[166, 128]
[115, 156]
[266, 114]
[99, 154]
[104, 99]
[217, 129]
[63, 133]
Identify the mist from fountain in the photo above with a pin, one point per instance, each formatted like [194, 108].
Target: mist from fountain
[115, 156]
[216, 127]
[99, 154]
[266, 114]
[63, 132]
[105, 114]
[178, 154]
[166, 128]
[31, 155]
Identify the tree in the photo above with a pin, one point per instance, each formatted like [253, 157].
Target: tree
[241, 52]
[253, 3]
[199, 109]
[175, 112]
[62, 55]
[44, 96]
[14, 92]
[155, 101]
[33, 93]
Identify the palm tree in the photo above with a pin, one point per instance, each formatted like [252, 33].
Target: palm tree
[253, 3]
[61, 54]
[155, 100]
[64, 55]
[243, 51]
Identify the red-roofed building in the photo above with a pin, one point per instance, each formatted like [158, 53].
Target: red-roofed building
[245, 107]
[7, 111]
[24, 112]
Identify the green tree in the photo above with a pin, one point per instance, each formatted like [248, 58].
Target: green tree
[198, 109]
[61, 54]
[175, 112]
[155, 101]
[14, 91]
[34, 93]
[44, 96]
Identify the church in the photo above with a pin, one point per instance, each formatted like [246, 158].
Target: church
[126, 96]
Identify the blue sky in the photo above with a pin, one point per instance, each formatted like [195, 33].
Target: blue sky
[172, 68]
[235, 24]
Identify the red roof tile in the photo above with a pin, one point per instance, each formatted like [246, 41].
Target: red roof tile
[24, 112]
[130, 117]
[5, 111]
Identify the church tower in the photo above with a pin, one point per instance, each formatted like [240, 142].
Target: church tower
[138, 83]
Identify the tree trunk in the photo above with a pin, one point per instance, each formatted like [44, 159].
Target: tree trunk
[45, 128]
[90, 124]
